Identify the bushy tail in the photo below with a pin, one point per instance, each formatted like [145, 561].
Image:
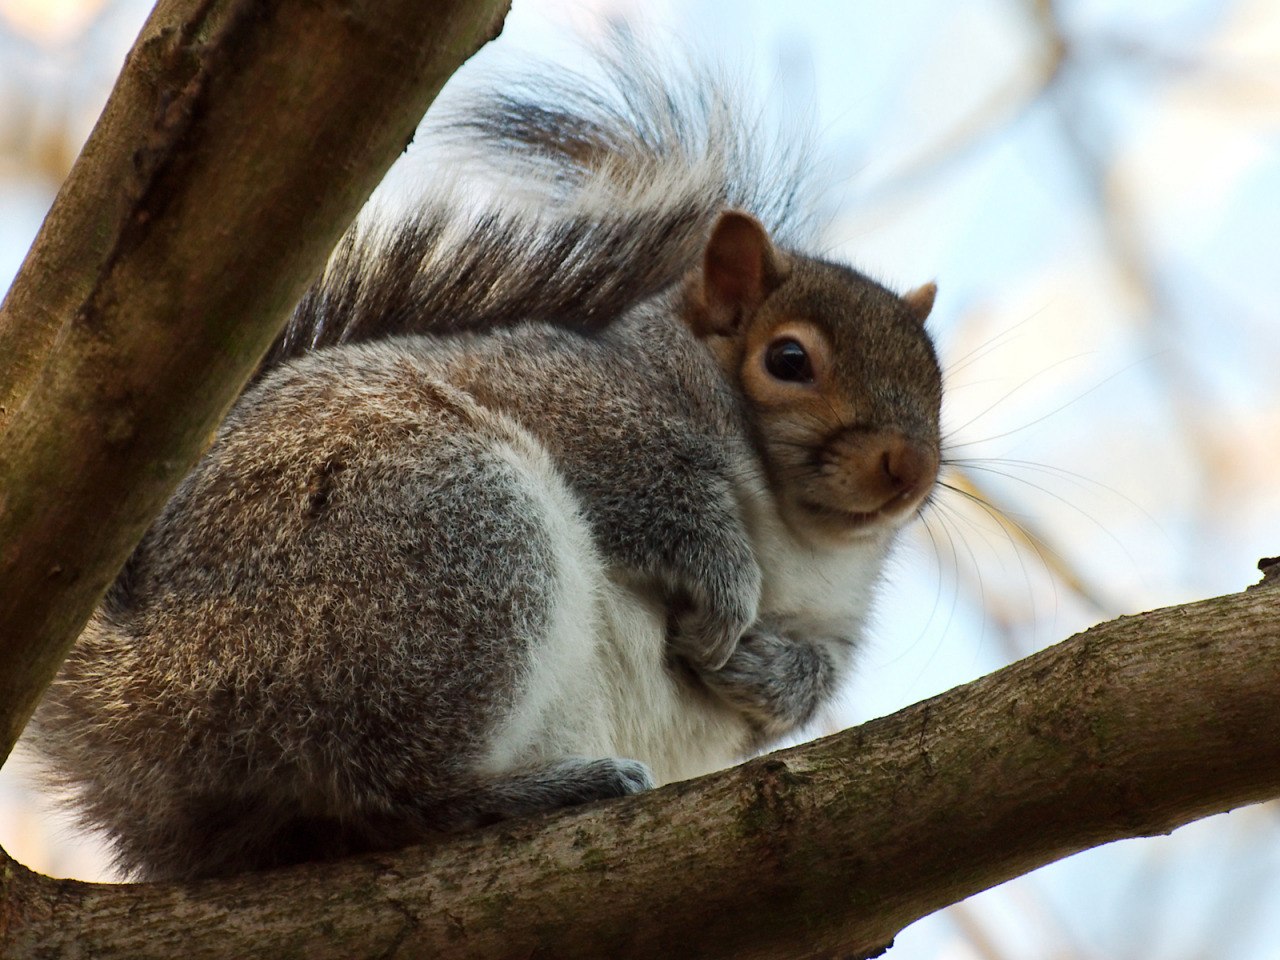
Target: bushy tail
[603, 193]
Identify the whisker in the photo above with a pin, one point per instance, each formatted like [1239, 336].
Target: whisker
[984, 464]
[1025, 383]
[1066, 502]
[1052, 561]
[950, 445]
[937, 594]
[1007, 526]
[989, 345]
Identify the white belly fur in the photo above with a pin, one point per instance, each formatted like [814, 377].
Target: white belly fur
[600, 685]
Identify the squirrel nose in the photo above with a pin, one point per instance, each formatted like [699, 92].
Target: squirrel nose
[906, 465]
[889, 469]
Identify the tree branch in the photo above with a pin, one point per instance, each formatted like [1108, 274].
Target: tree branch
[1129, 729]
[240, 140]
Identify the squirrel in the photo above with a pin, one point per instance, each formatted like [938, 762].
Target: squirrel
[545, 502]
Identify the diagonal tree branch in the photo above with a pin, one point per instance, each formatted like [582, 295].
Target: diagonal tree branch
[241, 139]
[1129, 729]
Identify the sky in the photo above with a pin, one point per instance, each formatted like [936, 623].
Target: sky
[1095, 186]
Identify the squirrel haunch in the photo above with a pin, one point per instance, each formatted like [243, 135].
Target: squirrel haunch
[488, 537]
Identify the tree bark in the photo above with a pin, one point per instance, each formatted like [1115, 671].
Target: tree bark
[1129, 729]
[241, 139]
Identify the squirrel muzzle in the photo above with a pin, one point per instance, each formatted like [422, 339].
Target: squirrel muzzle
[869, 478]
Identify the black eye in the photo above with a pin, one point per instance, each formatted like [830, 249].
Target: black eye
[787, 360]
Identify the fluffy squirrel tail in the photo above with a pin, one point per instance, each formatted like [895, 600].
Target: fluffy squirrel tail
[602, 192]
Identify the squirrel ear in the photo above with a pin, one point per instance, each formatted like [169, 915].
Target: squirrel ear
[739, 269]
[920, 301]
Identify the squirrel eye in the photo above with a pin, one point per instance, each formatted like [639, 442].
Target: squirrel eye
[787, 360]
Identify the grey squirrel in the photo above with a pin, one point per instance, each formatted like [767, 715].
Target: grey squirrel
[531, 505]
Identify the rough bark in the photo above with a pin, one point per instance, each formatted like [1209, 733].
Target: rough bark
[1129, 729]
[240, 140]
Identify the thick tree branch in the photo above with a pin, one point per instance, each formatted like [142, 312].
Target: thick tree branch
[1129, 729]
[240, 140]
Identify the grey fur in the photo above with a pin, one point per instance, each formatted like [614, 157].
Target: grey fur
[420, 581]
[628, 172]
[779, 677]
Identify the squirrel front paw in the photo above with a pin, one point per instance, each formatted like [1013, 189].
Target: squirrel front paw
[779, 681]
[707, 630]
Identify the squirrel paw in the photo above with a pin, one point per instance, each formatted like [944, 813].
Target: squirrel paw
[715, 597]
[707, 632]
[629, 776]
[777, 680]
[708, 635]
[602, 779]
[706, 641]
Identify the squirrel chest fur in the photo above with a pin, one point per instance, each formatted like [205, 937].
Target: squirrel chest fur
[427, 580]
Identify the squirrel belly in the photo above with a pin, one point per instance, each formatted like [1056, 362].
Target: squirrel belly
[604, 682]
[601, 682]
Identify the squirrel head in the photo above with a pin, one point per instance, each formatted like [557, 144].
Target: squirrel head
[838, 375]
